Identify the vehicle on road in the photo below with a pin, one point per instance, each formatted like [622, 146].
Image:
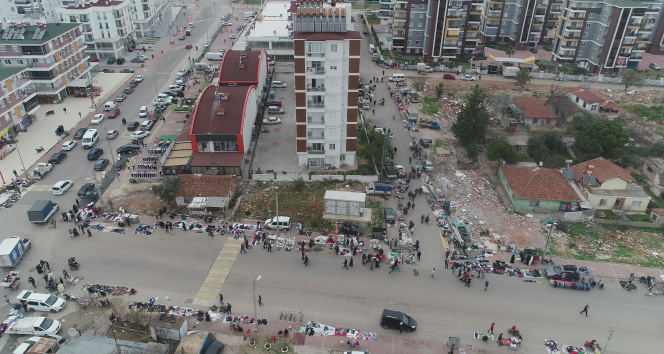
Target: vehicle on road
[114, 113]
[140, 135]
[34, 326]
[188, 46]
[79, 133]
[95, 153]
[68, 145]
[40, 170]
[390, 217]
[111, 134]
[449, 77]
[41, 211]
[13, 248]
[57, 157]
[654, 66]
[41, 301]
[181, 72]
[86, 189]
[137, 60]
[139, 78]
[468, 78]
[97, 119]
[182, 37]
[143, 112]
[120, 61]
[101, 164]
[233, 36]
[147, 125]
[131, 126]
[108, 70]
[279, 84]
[272, 120]
[550, 272]
[121, 97]
[62, 187]
[379, 188]
[128, 70]
[397, 320]
[128, 149]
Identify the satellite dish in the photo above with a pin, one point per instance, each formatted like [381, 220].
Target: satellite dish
[541, 163]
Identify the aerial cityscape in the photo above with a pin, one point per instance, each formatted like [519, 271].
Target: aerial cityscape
[340, 176]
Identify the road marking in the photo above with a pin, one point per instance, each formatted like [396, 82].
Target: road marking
[208, 293]
[39, 188]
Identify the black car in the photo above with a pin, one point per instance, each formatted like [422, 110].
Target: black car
[425, 143]
[121, 60]
[131, 126]
[397, 320]
[349, 228]
[88, 187]
[95, 153]
[137, 60]
[79, 133]
[128, 70]
[101, 164]
[128, 149]
[170, 93]
[57, 157]
[111, 60]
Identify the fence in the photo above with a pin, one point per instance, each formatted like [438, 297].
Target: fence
[289, 177]
[626, 223]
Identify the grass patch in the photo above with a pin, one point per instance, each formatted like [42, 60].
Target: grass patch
[623, 252]
[429, 105]
[606, 214]
[438, 143]
[373, 20]
[638, 217]
[649, 113]
[656, 199]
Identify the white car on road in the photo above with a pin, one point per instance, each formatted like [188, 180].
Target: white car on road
[272, 120]
[181, 72]
[468, 78]
[139, 135]
[143, 112]
[139, 78]
[68, 145]
[97, 119]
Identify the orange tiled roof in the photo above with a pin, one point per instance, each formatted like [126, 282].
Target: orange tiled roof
[536, 183]
[532, 108]
[602, 169]
[588, 95]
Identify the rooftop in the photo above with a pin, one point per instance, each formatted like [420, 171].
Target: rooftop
[103, 345]
[241, 67]
[273, 20]
[602, 169]
[327, 36]
[52, 30]
[100, 3]
[539, 184]
[224, 116]
[221, 159]
[654, 162]
[205, 185]
[8, 71]
[532, 108]
[588, 95]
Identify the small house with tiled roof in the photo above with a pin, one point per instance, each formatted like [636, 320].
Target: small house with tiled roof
[202, 194]
[653, 168]
[594, 102]
[535, 114]
[608, 186]
[536, 188]
[657, 216]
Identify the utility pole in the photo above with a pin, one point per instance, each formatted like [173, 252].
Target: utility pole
[609, 339]
[546, 248]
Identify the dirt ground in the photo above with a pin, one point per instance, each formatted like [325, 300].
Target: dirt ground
[136, 198]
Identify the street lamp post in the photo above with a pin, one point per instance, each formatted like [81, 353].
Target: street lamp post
[21, 158]
[110, 150]
[546, 248]
[255, 281]
[94, 176]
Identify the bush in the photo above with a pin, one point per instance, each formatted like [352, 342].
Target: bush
[640, 178]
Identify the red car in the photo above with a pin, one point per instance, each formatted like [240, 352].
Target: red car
[449, 77]
[94, 60]
[188, 46]
[114, 113]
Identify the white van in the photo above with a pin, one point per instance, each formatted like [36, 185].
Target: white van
[203, 67]
[372, 48]
[90, 138]
[275, 110]
[41, 302]
[110, 105]
[284, 223]
[397, 77]
[215, 56]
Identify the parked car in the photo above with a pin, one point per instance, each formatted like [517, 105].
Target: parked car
[137, 60]
[233, 36]
[397, 320]
[129, 89]
[279, 84]
[139, 78]
[140, 135]
[226, 24]
[449, 77]
[182, 37]
[94, 60]
[80, 132]
[120, 60]
[111, 134]
[425, 143]
[428, 166]
[101, 164]
[654, 66]
[550, 272]
[468, 78]
[86, 188]
[111, 60]
[108, 70]
[143, 112]
[178, 81]
[350, 228]
[170, 93]
[390, 217]
[272, 120]
[181, 73]
[97, 119]
[68, 145]
[95, 153]
[131, 126]
[113, 113]
[61, 187]
[128, 149]
[121, 97]
[128, 70]
[175, 88]
[273, 103]
[143, 57]
[57, 157]
[147, 125]
[567, 275]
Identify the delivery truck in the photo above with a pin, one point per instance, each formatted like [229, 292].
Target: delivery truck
[41, 211]
[36, 326]
[379, 188]
[41, 170]
[12, 250]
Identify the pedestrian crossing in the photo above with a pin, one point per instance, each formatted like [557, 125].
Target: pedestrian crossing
[40, 188]
[208, 293]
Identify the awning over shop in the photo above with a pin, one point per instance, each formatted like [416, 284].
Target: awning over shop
[79, 83]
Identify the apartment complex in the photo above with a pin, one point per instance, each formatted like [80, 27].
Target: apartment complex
[147, 14]
[521, 23]
[39, 64]
[608, 36]
[327, 64]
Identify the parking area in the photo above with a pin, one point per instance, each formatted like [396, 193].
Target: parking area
[275, 149]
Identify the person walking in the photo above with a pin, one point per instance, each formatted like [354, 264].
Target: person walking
[15, 173]
[269, 247]
[242, 248]
[88, 231]
[486, 285]
[350, 264]
[31, 280]
[419, 254]
[400, 327]
[491, 328]
[7, 299]
[65, 109]
[512, 259]
[260, 301]
[221, 299]
[433, 271]
[345, 263]
[53, 223]
[585, 309]
[64, 272]
[500, 340]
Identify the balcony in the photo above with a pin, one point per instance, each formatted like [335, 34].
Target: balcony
[316, 104]
[316, 134]
[318, 121]
[315, 55]
[320, 88]
[570, 36]
[311, 151]
[573, 28]
[316, 71]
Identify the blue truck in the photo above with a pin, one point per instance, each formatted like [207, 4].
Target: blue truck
[379, 188]
[41, 211]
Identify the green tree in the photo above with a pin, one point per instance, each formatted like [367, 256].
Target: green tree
[554, 142]
[601, 138]
[656, 149]
[166, 189]
[509, 50]
[440, 90]
[579, 71]
[523, 77]
[632, 78]
[503, 150]
[473, 120]
[580, 121]
[537, 149]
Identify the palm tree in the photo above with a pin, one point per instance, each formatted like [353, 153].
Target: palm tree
[509, 51]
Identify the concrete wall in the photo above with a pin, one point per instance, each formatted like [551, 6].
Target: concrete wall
[310, 178]
[626, 223]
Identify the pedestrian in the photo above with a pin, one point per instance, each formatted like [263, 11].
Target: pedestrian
[422, 219]
[48, 266]
[432, 272]
[221, 299]
[53, 223]
[585, 309]
[88, 231]
[7, 299]
[413, 202]
[260, 301]
[419, 254]
[491, 328]
[400, 327]
[364, 259]
[64, 109]
[350, 264]
[242, 248]
[31, 280]
[447, 264]
[480, 77]
[15, 173]
[229, 308]
[64, 272]
[486, 285]
[512, 259]
[374, 111]
[345, 263]
[269, 247]
[265, 246]
[77, 203]
[500, 340]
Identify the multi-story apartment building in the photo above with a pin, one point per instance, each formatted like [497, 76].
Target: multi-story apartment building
[609, 36]
[39, 64]
[437, 30]
[327, 64]
[108, 27]
[147, 14]
[521, 23]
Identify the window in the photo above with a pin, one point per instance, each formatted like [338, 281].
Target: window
[8, 62]
[333, 48]
[342, 158]
[17, 95]
[603, 202]
[15, 49]
[333, 67]
[535, 121]
[3, 49]
[587, 25]
[583, 44]
[590, 15]
[2, 103]
[534, 203]
[636, 203]
[417, 42]
[332, 147]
